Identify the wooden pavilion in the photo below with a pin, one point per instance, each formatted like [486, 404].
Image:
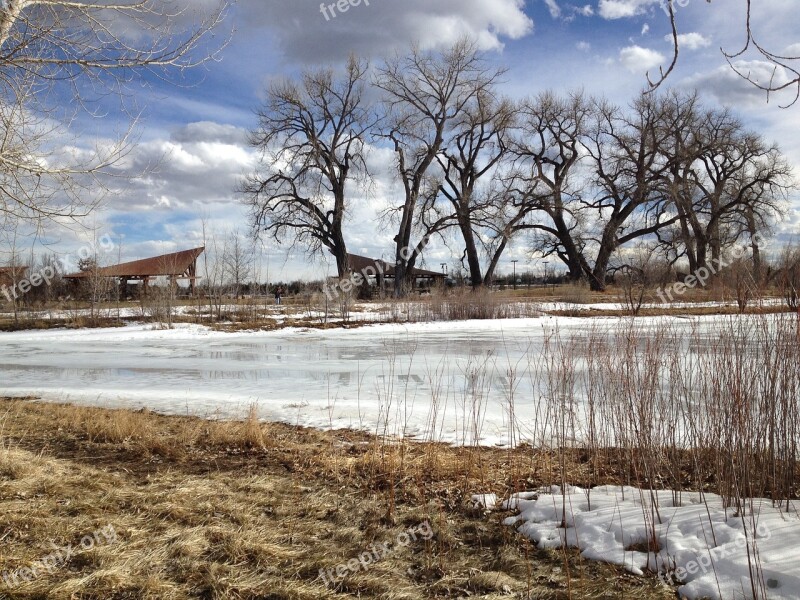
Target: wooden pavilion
[384, 271]
[176, 266]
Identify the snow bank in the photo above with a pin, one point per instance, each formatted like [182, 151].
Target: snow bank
[690, 540]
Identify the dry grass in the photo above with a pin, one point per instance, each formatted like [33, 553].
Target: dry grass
[669, 311]
[248, 510]
[442, 305]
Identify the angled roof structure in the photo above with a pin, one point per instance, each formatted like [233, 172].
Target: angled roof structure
[176, 265]
[361, 264]
[11, 274]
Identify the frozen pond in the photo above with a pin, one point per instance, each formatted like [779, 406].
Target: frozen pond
[463, 377]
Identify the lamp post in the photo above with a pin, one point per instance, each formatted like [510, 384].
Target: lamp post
[514, 262]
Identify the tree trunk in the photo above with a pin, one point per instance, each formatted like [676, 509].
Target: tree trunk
[403, 254]
[576, 262]
[597, 279]
[487, 280]
[473, 258]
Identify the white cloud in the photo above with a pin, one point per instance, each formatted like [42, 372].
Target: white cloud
[200, 164]
[645, 29]
[621, 9]
[583, 46]
[552, 6]
[793, 50]
[637, 59]
[374, 30]
[732, 90]
[586, 10]
[690, 41]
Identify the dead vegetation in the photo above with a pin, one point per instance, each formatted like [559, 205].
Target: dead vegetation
[250, 510]
[307, 311]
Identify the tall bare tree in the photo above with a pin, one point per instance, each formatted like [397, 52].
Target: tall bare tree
[545, 182]
[626, 149]
[725, 182]
[587, 179]
[239, 262]
[425, 94]
[479, 143]
[312, 139]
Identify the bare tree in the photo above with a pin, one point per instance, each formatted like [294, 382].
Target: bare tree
[545, 183]
[789, 277]
[589, 178]
[14, 273]
[725, 182]
[425, 94]
[312, 142]
[629, 156]
[637, 273]
[88, 49]
[214, 259]
[239, 258]
[96, 286]
[479, 143]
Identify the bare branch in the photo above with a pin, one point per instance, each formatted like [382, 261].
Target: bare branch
[654, 85]
[83, 49]
[782, 65]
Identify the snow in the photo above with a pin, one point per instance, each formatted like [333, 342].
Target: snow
[367, 312]
[380, 378]
[484, 501]
[705, 548]
[460, 382]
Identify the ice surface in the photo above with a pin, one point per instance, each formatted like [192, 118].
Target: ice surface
[456, 382]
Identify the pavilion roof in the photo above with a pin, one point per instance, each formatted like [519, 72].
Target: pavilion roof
[175, 264]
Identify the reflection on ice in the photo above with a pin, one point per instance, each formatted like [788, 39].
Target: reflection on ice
[462, 382]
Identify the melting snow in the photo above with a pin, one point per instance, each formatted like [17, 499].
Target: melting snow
[691, 540]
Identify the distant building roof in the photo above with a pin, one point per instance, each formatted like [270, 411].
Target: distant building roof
[176, 264]
[362, 263]
[11, 274]
[14, 269]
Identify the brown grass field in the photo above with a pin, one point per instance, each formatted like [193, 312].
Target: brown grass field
[249, 510]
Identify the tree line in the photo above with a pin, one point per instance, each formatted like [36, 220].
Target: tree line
[573, 176]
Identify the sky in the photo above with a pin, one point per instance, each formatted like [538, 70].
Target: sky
[192, 133]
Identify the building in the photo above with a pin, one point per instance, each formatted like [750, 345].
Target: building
[176, 266]
[10, 276]
[384, 273]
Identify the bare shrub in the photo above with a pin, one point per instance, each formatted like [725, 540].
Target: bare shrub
[462, 305]
[576, 293]
[158, 304]
[789, 277]
[740, 277]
